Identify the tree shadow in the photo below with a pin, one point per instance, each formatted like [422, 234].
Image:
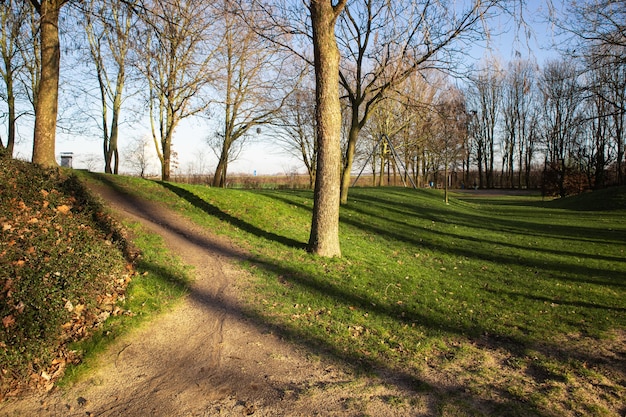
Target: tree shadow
[404, 378]
[214, 211]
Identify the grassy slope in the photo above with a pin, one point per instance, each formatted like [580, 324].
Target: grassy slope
[468, 292]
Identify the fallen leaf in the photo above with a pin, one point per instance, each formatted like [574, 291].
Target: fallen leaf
[8, 321]
[63, 209]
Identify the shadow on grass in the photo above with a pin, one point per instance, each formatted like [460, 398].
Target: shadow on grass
[214, 211]
[479, 248]
[405, 378]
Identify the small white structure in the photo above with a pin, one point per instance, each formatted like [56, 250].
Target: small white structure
[66, 159]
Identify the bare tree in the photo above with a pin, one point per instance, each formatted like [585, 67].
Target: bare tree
[518, 106]
[30, 50]
[449, 132]
[486, 93]
[560, 88]
[138, 156]
[598, 35]
[12, 20]
[296, 129]
[108, 25]
[417, 95]
[383, 43]
[252, 84]
[593, 23]
[174, 46]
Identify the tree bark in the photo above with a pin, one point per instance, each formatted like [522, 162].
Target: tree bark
[324, 238]
[353, 136]
[46, 108]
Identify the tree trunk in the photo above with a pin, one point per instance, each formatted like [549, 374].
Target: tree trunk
[11, 122]
[166, 146]
[353, 136]
[324, 238]
[219, 179]
[46, 107]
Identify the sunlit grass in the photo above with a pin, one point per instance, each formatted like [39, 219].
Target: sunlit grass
[468, 290]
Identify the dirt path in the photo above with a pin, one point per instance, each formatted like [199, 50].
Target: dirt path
[204, 358]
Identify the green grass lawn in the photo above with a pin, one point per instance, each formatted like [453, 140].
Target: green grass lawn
[509, 305]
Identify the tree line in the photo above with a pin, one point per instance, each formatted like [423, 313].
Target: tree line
[558, 127]
[329, 78]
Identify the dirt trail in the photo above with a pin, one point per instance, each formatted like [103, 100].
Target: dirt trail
[204, 358]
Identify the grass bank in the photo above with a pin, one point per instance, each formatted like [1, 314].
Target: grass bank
[493, 306]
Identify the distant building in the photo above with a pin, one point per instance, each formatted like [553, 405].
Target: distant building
[66, 159]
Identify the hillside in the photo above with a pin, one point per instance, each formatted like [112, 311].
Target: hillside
[62, 270]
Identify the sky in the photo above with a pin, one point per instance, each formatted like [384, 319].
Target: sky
[260, 156]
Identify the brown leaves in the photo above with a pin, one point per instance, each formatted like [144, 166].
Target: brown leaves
[8, 321]
[63, 209]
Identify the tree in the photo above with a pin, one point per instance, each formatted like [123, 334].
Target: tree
[324, 237]
[598, 22]
[30, 51]
[517, 110]
[46, 105]
[598, 36]
[297, 132]
[251, 83]
[486, 93]
[12, 19]
[176, 54]
[449, 132]
[383, 43]
[561, 100]
[108, 25]
[138, 156]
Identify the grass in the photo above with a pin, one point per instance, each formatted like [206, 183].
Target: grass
[514, 305]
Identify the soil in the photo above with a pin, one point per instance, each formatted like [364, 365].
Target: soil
[204, 358]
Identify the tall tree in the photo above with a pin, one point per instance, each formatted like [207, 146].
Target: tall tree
[30, 51]
[560, 89]
[175, 50]
[597, 34]
[486, 92]
[108, 25]
[383, 43]
[12, 19]
[324, 237]
[517, 108]
[297, 130]
[46, 105]
[252, 83]
[449, 132]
